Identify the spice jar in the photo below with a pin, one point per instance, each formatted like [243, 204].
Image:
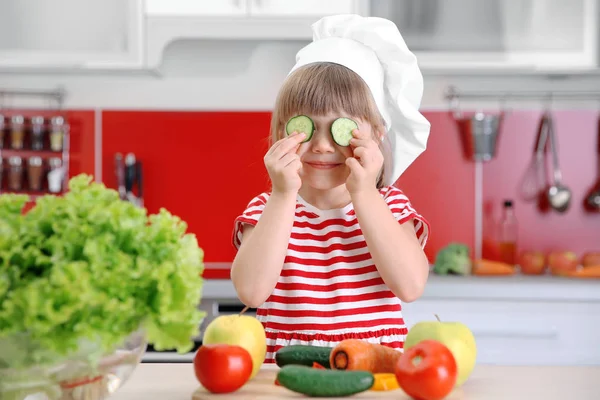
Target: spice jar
[2, 131]
[34, 173]
[55, 175]
[17, 134]
[57, 133]
[15, 173]
[37, 133]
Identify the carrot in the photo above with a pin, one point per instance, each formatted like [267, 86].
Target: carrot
[485, 267]
[592, 271]
[356, 354]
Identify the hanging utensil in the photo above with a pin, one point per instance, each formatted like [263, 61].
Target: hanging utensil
[133, 179]
[120, 175]
[534, 180]
[480, 136]
[559, 195]
[592, 200]
[130, 176]
[138, 172]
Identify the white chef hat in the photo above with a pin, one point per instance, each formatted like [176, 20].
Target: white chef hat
[374, 49]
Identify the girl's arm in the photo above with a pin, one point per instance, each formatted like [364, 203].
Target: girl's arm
[258, 262]
[394, 247]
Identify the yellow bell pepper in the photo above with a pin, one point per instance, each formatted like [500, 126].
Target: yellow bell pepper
[384, 382]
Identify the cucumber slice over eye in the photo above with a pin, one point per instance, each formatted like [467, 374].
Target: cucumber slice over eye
[300, 123]
[341, 130]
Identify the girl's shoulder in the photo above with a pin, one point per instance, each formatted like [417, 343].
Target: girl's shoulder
[391, 191]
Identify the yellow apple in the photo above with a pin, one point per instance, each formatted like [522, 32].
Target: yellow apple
[243, 330]
[455, 335]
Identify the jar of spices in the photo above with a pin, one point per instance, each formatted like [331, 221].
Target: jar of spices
[34, 173]
[15, 173]
[2, 127]
[17, 132]
[37, 133]
[57, 133]
[55, 175]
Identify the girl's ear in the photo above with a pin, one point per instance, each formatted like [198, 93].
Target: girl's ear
[379, 133]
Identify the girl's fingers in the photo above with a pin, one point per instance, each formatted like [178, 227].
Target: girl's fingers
[360, 152]
[287, 159]
[292, 142]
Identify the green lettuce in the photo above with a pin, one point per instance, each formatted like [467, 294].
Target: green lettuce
[88, 269]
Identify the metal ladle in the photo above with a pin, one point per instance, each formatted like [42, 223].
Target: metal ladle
[592, 201]
[559, 196]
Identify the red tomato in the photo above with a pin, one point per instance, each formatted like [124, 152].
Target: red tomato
[222, 368]
[427, 371]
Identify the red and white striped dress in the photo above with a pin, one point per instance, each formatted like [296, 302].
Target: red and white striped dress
[329, 288]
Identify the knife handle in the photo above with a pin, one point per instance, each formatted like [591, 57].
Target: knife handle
[129, 172]
[139, 181]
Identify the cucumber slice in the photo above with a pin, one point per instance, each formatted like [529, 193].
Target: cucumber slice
[341, 130]
[300, 123]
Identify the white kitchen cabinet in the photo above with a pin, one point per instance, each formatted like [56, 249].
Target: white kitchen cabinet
[252, 8]
[497, 34]
[168, 21]
[520, 332]
[71, 34]
[192, 8]
[304, 8]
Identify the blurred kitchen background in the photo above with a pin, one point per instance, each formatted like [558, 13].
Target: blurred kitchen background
[169, 102]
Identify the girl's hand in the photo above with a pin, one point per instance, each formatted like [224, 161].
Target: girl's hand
[365, 165]
[283, 164]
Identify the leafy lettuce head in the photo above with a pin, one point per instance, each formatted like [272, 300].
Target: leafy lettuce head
[88, 267]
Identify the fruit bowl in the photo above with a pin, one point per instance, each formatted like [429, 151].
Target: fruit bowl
[83, 375]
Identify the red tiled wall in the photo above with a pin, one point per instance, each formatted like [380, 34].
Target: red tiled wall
[440, 185]
[82, 142]
[203, 167]
[200, 168]
[577, 137]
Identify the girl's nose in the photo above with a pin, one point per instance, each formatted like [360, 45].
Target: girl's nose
[322, 143]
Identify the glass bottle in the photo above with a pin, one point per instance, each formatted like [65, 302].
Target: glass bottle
[1, 131]
[37, 133]
[57, 133]
[508, 233]
[15, 175]
[34, 173]
[17, 134]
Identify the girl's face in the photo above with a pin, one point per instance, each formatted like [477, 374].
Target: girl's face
[323, 160]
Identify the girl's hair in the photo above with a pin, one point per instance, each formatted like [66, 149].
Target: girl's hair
[322, 88]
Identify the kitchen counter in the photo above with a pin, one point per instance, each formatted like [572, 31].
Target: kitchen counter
[177, 382]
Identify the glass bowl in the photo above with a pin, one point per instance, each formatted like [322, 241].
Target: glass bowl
[77, 377]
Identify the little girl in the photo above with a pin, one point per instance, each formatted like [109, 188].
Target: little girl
[331, 251]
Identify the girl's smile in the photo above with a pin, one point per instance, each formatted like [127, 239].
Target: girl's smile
[322, 164]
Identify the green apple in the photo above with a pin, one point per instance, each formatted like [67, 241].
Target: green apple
[243, 330]
[455, 335]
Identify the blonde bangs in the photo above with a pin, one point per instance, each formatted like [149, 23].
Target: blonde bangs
[320, 89]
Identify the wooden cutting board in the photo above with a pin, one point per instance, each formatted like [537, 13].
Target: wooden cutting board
[263, 387]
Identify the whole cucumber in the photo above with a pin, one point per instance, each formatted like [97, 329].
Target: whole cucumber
[316, 382]
[299, 354]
